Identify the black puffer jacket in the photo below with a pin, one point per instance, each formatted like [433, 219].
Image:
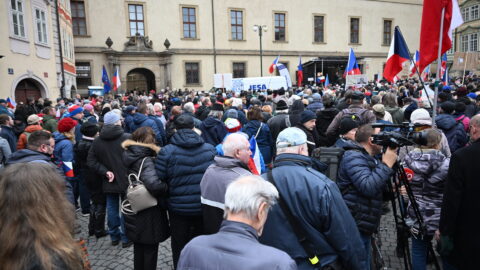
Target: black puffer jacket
[149, 226]
[295, 112]
[93, 181]
[106, 155]
[324, 118]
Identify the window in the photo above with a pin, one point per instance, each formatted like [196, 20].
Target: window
[236, 18]
[466, 13]
[280, 28]
[192, 73]
[79, 23]
[464, 43]
[354, 30]
[84, 74]
[41, 24]
[17, 18]
[135, 17]
[469, 42]
[473, 42]
[189, 22]
[387, 32]
[318, 29]
[239, 70]
[470, 13]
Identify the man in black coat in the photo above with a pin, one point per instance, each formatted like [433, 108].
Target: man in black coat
[6, 131]
[459, 239]
[105, 158]
[280, 121]
[307, 124]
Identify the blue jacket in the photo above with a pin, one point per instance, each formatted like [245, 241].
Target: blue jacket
[317, 204]
[455, 132]
[8, 134]
[234, 247]
[264, 138]
[141, 120]
[315, 106]
[128, 120]
[4, 110]
[161, 130]
[182, 164]
[362, 180]
[63, 151]
[78, 133]
[213, 130]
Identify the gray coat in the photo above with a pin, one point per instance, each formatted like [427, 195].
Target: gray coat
[234, 247]
[430, 169]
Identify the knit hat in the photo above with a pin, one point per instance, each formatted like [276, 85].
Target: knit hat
[183, 121]
[232, 125]
[217, 107]
[291, 137]
[421, 117]
[379, 109]
[89, 129]
[282, 105]
[88, 107]
[75, 109]
[111, 118]
[316, 97]
[448, 107]
[346, 125]
[33, 119]
[307, 116]
[66, 124]
[231, 113]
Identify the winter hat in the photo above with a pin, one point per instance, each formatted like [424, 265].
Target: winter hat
[379, 109]
[217, 107]
[89, 129]
[88, 107]
[357, 95]
[231, 113]
[316, 97]
[66, 124]
[232, 125]
[111, 118]
[421, 117]
[472, 95]
[448, 107]
[346, 125]
[75, 109]
[183, 121]
[130, 108]
[291, 137]
[282, 105]
[307, 116]
[33, 119]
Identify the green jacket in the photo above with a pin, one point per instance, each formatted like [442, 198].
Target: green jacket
[49, 123]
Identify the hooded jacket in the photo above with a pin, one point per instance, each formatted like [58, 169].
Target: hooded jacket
[8, 134]
[276, 124]
[49, 123]
[324, 118]
[22, 139]
[264, 138]
[106, 155]
[92, 179]
[397, 114]
[63, 151]
[141, 120]
[317, 204]
[149, 226]
[213, 130]
[295, 112]
[182, 164]
[453, 130]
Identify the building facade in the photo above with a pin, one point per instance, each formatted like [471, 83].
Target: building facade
[65, 61]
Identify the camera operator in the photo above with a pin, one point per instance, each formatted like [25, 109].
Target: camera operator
[362, 180]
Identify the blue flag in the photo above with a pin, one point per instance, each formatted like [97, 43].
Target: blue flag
[106, 81]
[327, 81]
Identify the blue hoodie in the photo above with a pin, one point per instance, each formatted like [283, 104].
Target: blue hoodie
[141, 120]
[453, 130]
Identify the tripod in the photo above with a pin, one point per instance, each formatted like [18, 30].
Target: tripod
[400, 179]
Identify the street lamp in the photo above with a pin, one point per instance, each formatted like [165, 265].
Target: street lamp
[260, 29]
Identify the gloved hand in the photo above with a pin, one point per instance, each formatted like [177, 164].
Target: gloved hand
[445, 246]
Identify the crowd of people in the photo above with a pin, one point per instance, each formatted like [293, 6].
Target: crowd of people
[195, 153]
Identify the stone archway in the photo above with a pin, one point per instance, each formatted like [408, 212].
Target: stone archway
[140, 79]
[27, 88]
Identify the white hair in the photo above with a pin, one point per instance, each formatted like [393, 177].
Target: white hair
[290, 149]
[188, 107]
[236, 102]
[245, 195]
[150, 108]
[216, 114]
[158, 106]
[233, 142]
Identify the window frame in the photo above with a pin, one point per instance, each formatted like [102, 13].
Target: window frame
[20, 23]
[471, 41]
[74, 5]
[199, 83]
[384, 32]
[464, 42]
[41, 31]
[285, 26]
[136, 20]
[244, 68]
[359, 41]
[232, 26]
[182, 22]
[323, 29]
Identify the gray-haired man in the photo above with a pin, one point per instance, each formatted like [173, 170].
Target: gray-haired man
[236, 245]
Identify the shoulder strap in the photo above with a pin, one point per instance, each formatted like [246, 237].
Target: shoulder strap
[297, 228]
[287, 121]
[258, 131]
[136, 176]
[141, 167]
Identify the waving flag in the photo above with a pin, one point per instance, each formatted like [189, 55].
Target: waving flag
[116, 80]
[327, 81]
[430, 29]
[256, 163]
[397, 55]
[67, 167]
[299, 73]
[272, 67]
[426, 73]
[414, 64]
[443, 67]
[445, 77]
[11, 104]
[106, 81]
[282, 69]
[352, 65]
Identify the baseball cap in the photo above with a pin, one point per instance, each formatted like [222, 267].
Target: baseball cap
[291, 137]
[32, 119]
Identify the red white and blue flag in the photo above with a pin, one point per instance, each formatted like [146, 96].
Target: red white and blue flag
[443, 68]
[352, 65]
[414, 64]
[426, 73]
[11, 104]
[272, 67]
[116, 80]
[299, 73]
[67, 167]
[397, 55]
[256, 163]
[445, 77]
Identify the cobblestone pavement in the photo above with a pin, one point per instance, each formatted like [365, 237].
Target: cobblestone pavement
[103, 255]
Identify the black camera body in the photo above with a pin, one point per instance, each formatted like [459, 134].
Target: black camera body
[405, 135]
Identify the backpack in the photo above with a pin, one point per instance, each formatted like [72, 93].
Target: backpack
[356, 116]
[331, 156]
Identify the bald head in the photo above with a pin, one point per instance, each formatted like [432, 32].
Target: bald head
[236, 145]
[475, 127]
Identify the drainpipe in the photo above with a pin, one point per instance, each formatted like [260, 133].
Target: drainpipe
[214, 48]
[62, 87]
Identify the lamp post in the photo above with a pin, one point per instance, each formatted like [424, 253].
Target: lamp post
[260, 29]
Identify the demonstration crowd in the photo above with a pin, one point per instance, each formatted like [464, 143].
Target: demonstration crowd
[234, 178]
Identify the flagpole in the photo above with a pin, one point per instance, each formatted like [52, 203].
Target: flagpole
[439, 66]
[416, 69]
[465, 67]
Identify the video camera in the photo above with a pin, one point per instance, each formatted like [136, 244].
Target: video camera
[405, 135]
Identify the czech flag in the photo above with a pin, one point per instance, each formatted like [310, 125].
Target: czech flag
[272, 67]
[397, 55]
[299, 73]
[256, 163]
[67, 167]
[426, 73]
[445, 77]
[11, 104]
[430, 29]
[327, 81]
[414, 64]
[443, 67]
[106, 81]
[352, 65]
[116, 80]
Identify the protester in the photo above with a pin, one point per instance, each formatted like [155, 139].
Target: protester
[247, 203]
[280, 121]
[33, 122]
[5, 152]
[213, 129]
[348, 129]
[89, 114]
[49, 123]
[317, 104]
[454, 131]
[4, 109]
[324, 118]
[224, 170]
[261, 132]
[307, 124]
[389, 100]
[141, 119]
[128, 118]
[6, 131]
[75, 112]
